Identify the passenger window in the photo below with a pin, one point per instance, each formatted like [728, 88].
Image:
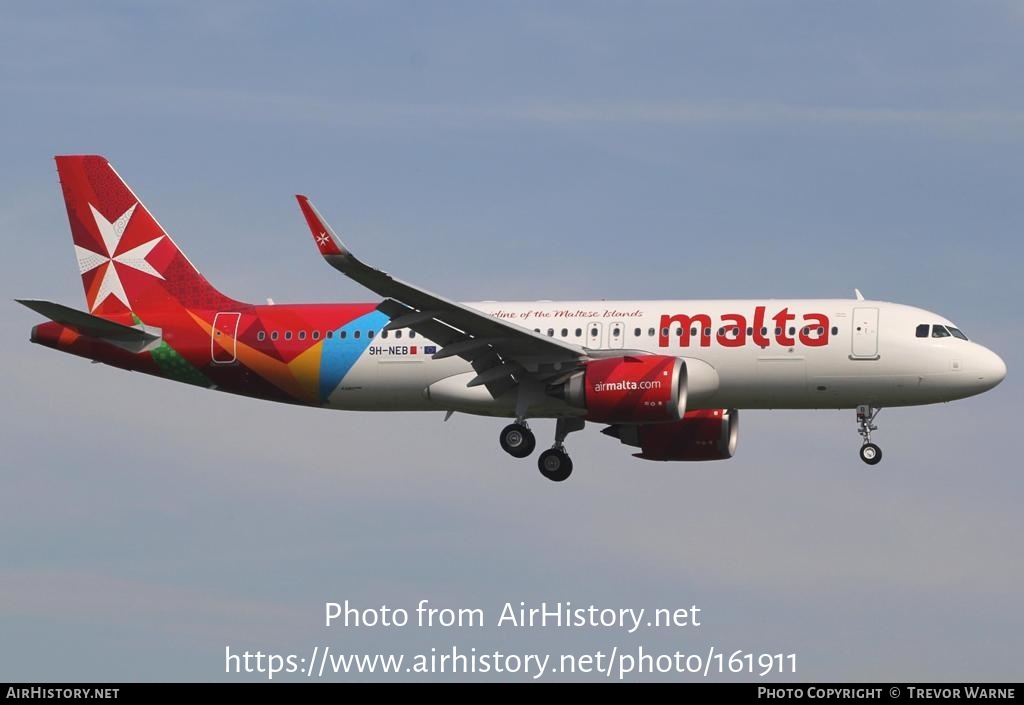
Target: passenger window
[355, 335]
[343, 334]
[750, 330]
[650, 332]
[287, 335]
[384, 334]
[637, 332]
[939, 332]
[316, 335]
[664, 332]
[330, 334]
[593, 332]
[922, 330]
[261, 335]
[302, 335]
[551, 332]
[369, 334]
[835, 330]
[707, 332]
[412, 334]
[565, 332]
[273, 336]
[579, 332]
[398, 334]
[679, 332]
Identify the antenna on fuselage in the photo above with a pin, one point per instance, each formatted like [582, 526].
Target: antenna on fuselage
[860, 296]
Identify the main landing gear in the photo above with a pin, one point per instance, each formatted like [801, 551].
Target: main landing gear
[518, 440]
[869, 452]
[555, 464]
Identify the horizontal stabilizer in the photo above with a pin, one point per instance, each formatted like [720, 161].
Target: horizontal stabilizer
[84, 323]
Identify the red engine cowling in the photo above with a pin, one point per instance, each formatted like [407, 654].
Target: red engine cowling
[707, 434]
[630, 389]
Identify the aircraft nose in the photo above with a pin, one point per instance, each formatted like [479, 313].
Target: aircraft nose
[989, 368]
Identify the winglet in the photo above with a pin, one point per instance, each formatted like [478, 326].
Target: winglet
[327, 241]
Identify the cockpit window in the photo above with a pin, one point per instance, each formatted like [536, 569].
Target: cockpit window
[938, 331]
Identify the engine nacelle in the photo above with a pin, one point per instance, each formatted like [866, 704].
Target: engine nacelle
[630, 389]
[707, 434]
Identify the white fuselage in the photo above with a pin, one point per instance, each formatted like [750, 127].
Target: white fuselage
[749, 354]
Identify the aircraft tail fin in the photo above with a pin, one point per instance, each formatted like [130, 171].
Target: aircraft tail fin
[128, 262]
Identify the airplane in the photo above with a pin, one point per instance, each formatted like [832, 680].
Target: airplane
[667, 377]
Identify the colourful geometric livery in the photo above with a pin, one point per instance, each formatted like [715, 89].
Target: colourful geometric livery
[665, 377]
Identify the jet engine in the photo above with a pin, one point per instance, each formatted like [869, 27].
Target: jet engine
[706, 434]
[629, 389]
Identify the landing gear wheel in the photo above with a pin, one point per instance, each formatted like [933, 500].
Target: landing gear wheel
[870, 453]
[554, 464]
[517, 440]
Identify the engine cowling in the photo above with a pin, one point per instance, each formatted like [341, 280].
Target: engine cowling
[630, 389]
[706, 434]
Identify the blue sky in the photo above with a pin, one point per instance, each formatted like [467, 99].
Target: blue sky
[515, 151]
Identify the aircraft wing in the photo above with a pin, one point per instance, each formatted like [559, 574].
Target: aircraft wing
[501, 352]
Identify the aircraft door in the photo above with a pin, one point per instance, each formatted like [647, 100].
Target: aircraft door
[222, 342]
[865, 334]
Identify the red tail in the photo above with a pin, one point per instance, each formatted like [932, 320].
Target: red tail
[127, 261]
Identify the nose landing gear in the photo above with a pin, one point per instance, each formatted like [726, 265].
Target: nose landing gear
[869, 452]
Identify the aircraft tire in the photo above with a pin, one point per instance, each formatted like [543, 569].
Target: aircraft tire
[555, 464]
[870, 454]
[517, 440]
